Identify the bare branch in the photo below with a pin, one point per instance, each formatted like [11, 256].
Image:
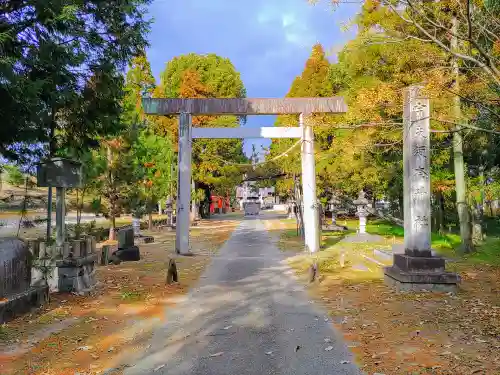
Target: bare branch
[467, 126]
[469, 20]
[492, 72]
[482, 52]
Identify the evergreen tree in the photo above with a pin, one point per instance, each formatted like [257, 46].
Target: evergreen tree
[60, 70]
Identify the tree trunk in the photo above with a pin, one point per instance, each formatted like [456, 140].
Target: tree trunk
[401, 214]
[477, 227]
[193, 201]
[150, 220]
[112, 197]
[112, 227]
[441, 209]
[52, 150]
[458, 160]
[77, 207]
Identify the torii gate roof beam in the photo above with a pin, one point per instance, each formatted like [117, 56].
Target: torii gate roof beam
[243, 106]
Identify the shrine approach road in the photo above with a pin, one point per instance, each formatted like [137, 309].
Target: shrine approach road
[248, 315]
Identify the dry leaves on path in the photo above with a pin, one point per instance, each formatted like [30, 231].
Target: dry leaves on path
[420, 333]
[118, 318]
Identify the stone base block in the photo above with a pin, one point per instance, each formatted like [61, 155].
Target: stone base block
[69, 275]
[165, 227]
[422, 280]
[144, 239]
[333, 228]
[409, 263]
[129, 254]
[22, 303]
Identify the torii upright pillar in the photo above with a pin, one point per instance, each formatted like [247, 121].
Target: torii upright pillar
[184, 185]
[311, 218]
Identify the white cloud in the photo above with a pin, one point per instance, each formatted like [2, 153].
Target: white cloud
[288, 19]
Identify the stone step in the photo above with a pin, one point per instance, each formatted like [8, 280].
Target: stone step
[371, 260]
[383, 255]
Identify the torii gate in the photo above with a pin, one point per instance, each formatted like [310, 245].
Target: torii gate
[185, 108]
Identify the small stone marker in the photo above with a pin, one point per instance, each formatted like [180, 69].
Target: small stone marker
[172, 276]
[417, 268]
[127, 251]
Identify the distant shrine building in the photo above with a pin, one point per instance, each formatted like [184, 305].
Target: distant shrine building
[252, 198]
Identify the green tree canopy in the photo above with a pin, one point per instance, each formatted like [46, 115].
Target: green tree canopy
[61, 68]
[205, 76]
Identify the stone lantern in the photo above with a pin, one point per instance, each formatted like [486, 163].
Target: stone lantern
[169, 211]
[361, 211]
[333, 205]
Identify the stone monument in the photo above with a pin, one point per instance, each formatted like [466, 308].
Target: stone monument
[67, 266]
[361, 211]
[17, 296]
[127, 250]
[417, 268]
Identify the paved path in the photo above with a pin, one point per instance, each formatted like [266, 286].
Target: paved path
[248, 316]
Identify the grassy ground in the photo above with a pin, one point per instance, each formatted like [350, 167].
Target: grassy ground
[89, 334]
[416, 333]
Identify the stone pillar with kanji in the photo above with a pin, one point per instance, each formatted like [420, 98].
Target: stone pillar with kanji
[417, 268]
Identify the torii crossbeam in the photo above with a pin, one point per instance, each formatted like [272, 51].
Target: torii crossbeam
[185, 108]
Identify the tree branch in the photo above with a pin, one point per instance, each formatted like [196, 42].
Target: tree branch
[490, 68]
[469, 20]
[493, 72]
[467, 126]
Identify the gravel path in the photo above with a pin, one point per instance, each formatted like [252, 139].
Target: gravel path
[247, 316]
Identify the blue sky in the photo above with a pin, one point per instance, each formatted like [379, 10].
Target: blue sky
[268, 41]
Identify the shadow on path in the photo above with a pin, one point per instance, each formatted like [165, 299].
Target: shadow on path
[248, 316]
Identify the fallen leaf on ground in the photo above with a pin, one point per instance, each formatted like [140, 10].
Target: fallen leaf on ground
[159, 368]
[85, 348]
